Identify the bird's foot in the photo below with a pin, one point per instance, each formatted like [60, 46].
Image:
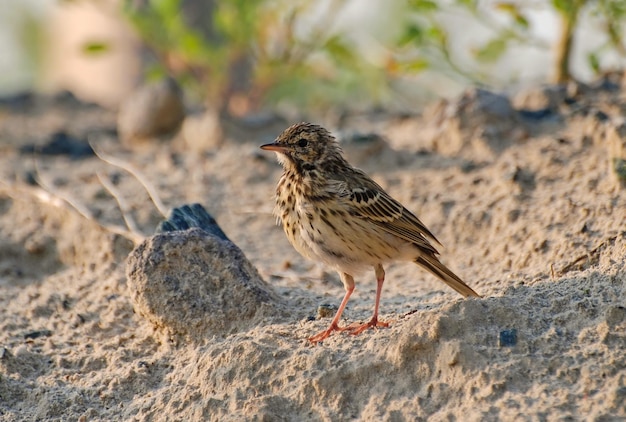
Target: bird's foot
[354, 329]
[357, 329]
[324, 334]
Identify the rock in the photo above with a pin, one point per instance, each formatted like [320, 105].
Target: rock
[202, 131]
[37, 333]
[189, 216]
[197, 285]
[507, 338]
[155, 109]
[21, 100]
[326, 310]
[615, 316]
[551, 97]
[61, 143]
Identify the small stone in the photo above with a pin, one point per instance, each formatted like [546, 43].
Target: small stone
[507, 338]
[615, 315]
[189, 216]
[20, 101]
[4, 353]
[202, 131]
[541, 114]
[154, 110]
[37, 333]
[326, 310]
[61, 143]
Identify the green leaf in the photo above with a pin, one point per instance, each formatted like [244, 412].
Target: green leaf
[415, 66]
[510, 8]
[513, 10]
[95, 47]
[492, 51]
[423, 5]
[168, 9]
[437, 34]
[568, 7]
[522, 21]
[413, 34]
[338, 50]
[562, 6]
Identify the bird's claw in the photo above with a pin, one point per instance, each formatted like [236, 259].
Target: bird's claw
[359, 328]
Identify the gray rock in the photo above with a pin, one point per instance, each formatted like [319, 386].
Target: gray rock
[153, 110]
[196, 285]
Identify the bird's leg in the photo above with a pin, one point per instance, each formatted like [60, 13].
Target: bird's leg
[348, 283]
[374, 322]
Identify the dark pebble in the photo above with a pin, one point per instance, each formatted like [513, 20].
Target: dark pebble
[20, 100]
[189, 216]
[541, 114]
[326, 310]
[602, 116]
[508, 338]
[61, 143]
[30, 178]
[37, 334]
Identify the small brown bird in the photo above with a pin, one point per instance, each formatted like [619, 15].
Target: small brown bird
[335, 214]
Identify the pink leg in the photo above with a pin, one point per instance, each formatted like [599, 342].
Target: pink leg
[374, 322]
[348, 283]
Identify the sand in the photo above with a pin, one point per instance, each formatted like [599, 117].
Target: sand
[521, 191]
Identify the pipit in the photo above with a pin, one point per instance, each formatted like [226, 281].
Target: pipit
[334, 213]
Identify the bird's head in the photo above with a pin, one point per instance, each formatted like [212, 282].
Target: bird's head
[305, 146]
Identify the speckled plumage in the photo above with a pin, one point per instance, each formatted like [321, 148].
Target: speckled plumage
[334, 213]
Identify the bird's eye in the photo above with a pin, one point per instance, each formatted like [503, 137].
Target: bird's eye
[302, 143]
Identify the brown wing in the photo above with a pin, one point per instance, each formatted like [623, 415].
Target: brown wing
[369, 201]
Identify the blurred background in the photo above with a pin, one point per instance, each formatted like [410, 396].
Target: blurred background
[241, 56]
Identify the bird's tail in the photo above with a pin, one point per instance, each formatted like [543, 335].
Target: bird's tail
[432, 264]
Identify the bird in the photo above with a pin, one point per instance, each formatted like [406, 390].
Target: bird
[336, 214]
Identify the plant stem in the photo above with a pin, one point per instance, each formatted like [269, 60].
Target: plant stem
[569, 19]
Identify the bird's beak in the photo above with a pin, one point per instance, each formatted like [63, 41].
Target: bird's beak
[275, 147]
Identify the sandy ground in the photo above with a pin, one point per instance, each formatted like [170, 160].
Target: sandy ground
[521, 192]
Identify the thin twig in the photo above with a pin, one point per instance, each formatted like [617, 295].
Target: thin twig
[586, 257]
[156, 200]
[51, 190]
[124, 207]
[45, 196]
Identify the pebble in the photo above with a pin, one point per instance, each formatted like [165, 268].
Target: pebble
[507, 338]
[189, 216]
[154, 110]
